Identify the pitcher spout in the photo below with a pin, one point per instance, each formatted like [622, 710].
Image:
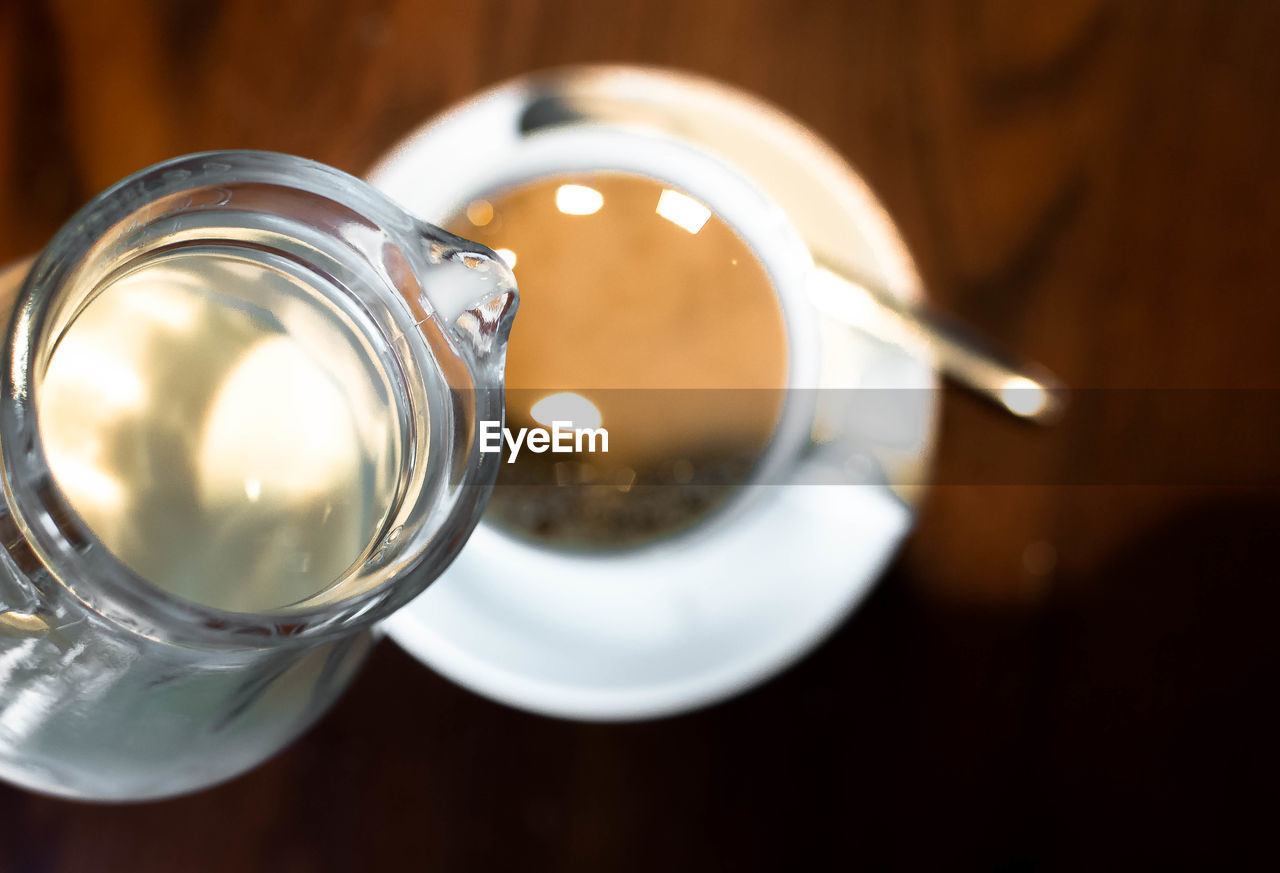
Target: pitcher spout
[472, 290]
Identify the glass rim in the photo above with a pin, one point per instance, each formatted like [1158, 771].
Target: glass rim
[63, 542]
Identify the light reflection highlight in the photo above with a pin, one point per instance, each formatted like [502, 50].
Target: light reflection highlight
[578, 200]
[682, 210]
[566, 406]
[1023, 397]
[480, 212]
[93, 488]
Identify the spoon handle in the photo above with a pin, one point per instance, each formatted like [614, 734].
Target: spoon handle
[1022, 388]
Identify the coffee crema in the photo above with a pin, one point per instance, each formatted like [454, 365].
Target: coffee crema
[643, 312]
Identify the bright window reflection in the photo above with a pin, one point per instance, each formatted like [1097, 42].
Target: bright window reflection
[566, 406]
[578, 200]
[682, 210]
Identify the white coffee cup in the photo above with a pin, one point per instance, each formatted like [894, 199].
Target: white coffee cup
[692, 619]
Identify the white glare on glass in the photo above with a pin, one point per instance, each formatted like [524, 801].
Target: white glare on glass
[276, 415]
[682, 210]
[93, 488]
[578, 200]
[508, 257]
[566, 406]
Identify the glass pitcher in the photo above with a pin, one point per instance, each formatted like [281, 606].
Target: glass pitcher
[114, 687]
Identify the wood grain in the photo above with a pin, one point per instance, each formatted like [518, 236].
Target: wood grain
[1068, 666]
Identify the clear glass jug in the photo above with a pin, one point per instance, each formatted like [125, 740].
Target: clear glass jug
[114, 688]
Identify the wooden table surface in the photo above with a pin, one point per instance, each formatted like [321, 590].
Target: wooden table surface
[1070, 666]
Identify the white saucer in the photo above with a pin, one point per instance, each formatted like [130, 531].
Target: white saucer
[700, 617]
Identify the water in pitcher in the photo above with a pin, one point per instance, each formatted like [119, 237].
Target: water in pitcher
[223, 427]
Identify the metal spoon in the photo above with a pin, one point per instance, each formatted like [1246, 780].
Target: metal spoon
[1022, 388]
